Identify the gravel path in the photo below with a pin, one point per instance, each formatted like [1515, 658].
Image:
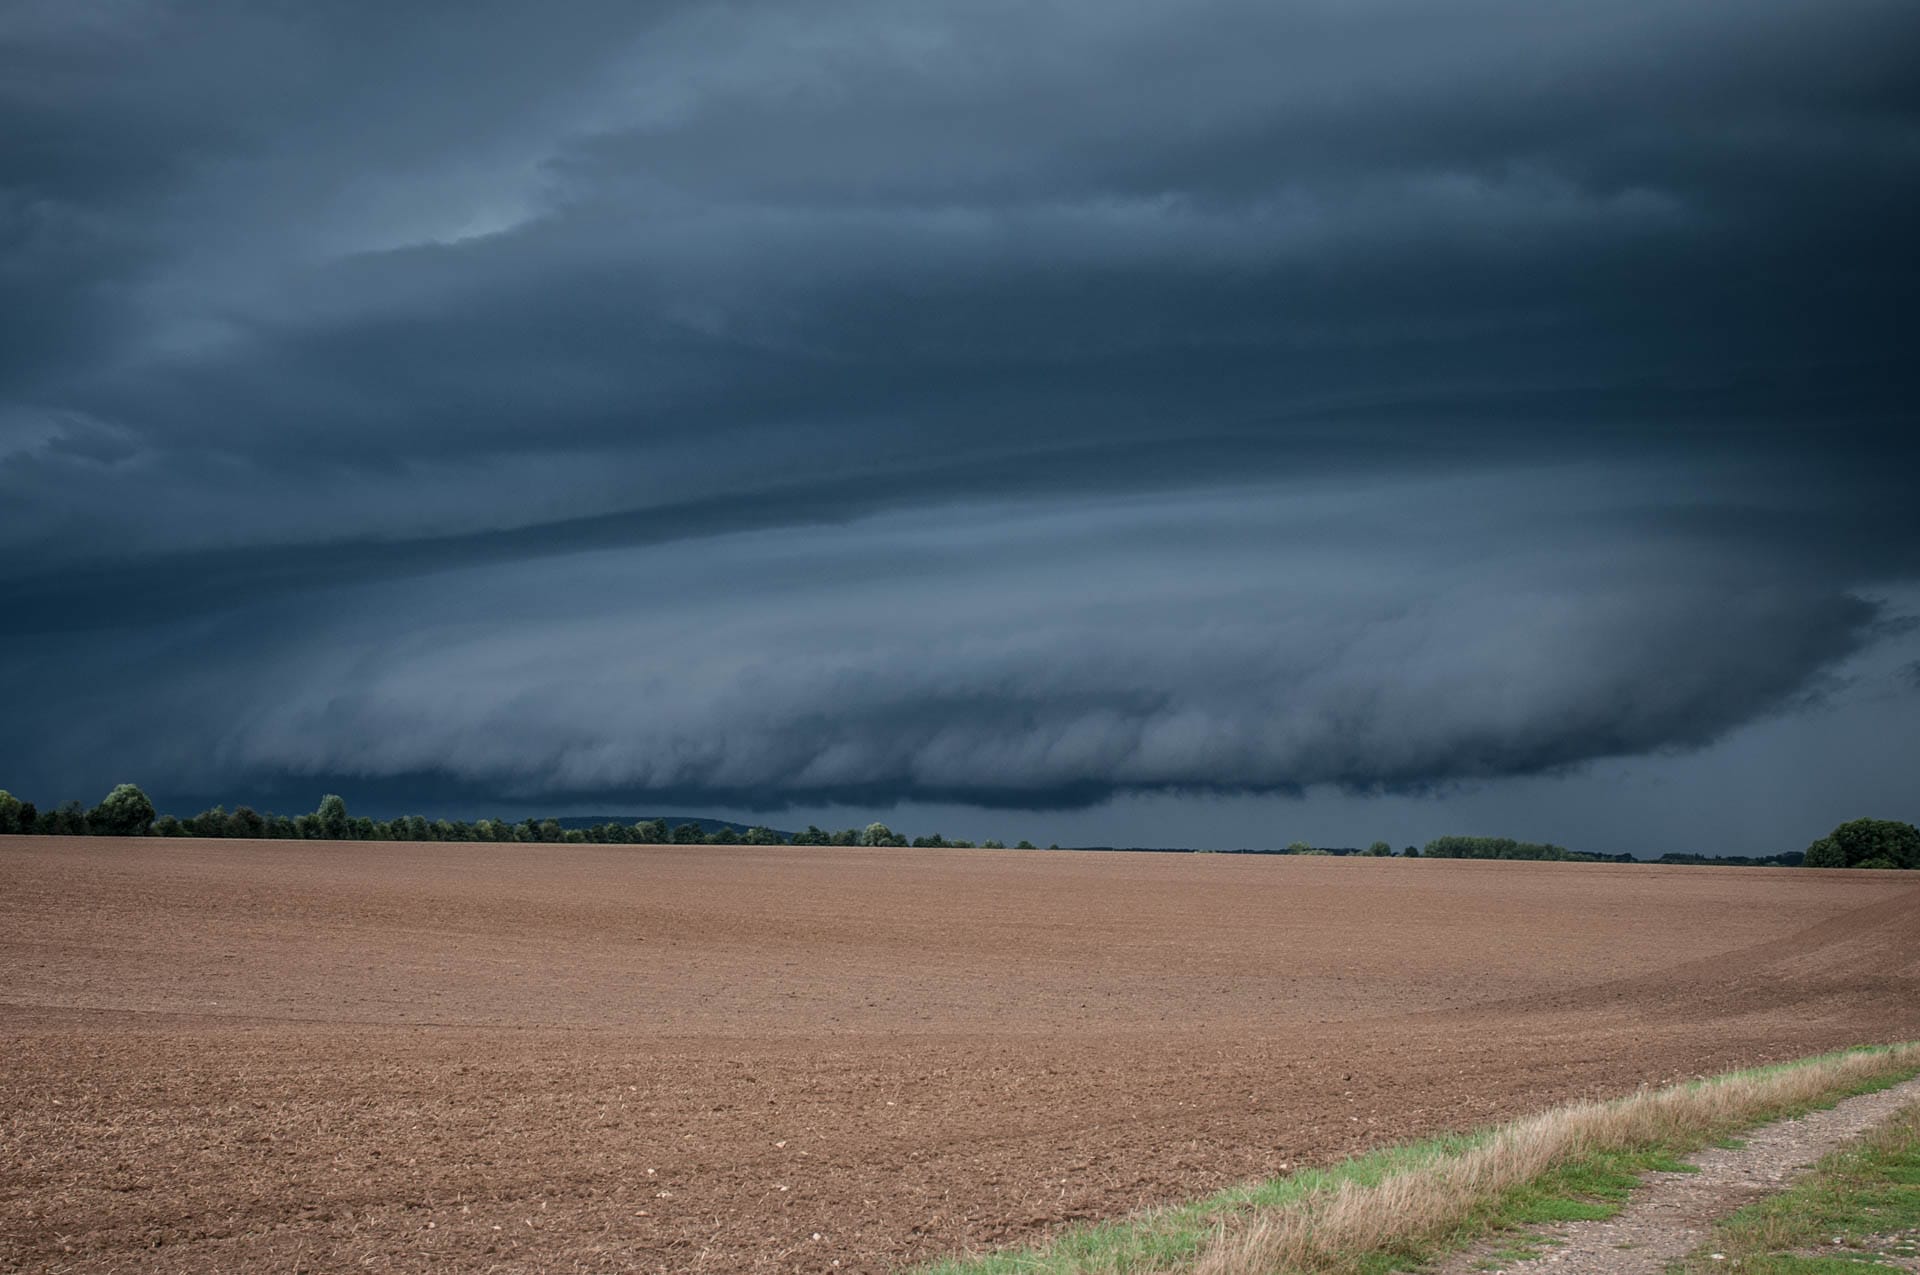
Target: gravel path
[1672, 1212]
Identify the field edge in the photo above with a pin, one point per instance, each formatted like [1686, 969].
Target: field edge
[1402, 1205]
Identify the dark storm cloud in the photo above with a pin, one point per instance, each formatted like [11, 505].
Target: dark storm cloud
[518, 401]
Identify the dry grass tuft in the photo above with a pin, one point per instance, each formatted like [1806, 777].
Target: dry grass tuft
[1336, 1229]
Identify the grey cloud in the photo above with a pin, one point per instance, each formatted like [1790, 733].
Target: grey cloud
[340, 313]
[1023, 657]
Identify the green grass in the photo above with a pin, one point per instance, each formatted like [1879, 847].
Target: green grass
[1166, 1239]
[1171, 1239]
[1867, 1197]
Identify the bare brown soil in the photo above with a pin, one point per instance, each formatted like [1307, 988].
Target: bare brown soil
[268, 1055]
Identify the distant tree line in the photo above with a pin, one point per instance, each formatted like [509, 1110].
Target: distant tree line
[1785, 859]
[127, 812]
[1499, 848]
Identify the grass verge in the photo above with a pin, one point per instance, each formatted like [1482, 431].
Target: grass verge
[1852, 1211]
[1402, 1205]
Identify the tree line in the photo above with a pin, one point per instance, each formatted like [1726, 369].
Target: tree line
[127, 812]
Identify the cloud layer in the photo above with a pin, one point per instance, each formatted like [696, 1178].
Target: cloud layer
[944, 402]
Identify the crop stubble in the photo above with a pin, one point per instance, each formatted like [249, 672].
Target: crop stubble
[224, 1054]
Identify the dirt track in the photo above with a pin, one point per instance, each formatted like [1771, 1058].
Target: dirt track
[227, 1055]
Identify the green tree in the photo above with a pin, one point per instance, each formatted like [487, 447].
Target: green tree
[1867, 843]
[10, 806]
[70, 820]
[1379, 850]
[689, 834]
[245, 822]
[762, 837]
[1411, 852]
[124, 812]
[331, 817]
[1298, 847]
[1024, 844]
[650, 832]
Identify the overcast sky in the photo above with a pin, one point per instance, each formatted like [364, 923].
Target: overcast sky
[1111, 422]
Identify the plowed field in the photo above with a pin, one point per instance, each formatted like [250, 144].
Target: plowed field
[268, 1055]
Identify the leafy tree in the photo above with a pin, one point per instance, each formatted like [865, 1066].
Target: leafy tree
[762, 837]
[1411, 852]
[1026, 845]
[168, 826]
[847, 837]
[689, 834]
[1867, 843]
[124, 812]
[10, 806]
[331, 817]
[650, 832]
[70, 820]
[211, 822]
[245, 822]
[935, 842]
[1298, 847]
[991, 844]
[813, 836]
[1379, 850]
